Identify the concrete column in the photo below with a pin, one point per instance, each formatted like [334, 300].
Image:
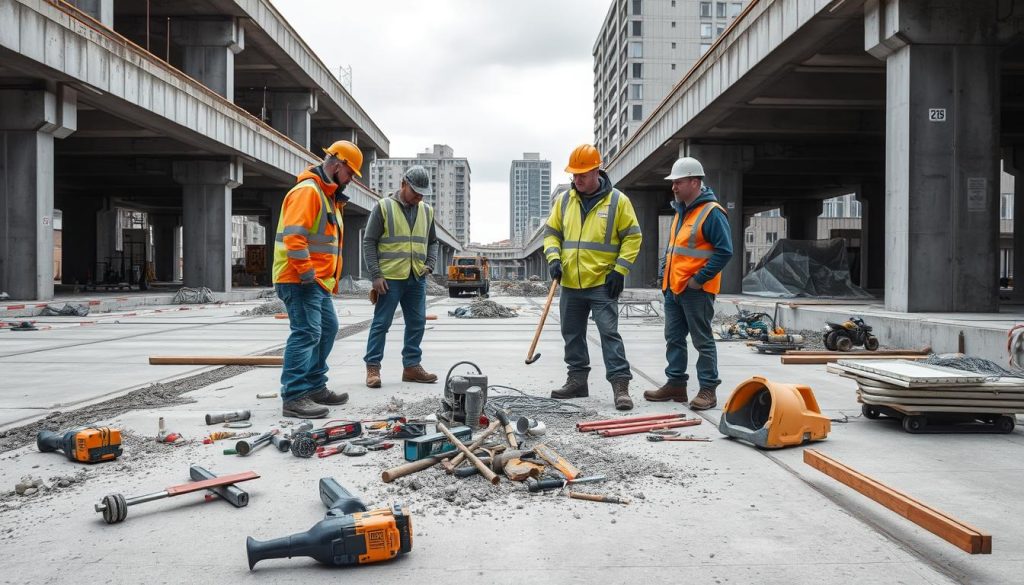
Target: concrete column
[872, 235]
[291, 112]
[101, 10]
[942, 160]
[646, 204]
[352, 246]
[724, 166]
[210, 47]
[29, 121]
[369, 156]
[79, 235]
[802, 219]
[324, 136]
[206, 206]
[273, 201]
[165, 254]
[1013, 163]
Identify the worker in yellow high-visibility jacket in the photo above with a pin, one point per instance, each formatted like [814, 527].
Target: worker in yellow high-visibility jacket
[592, 239]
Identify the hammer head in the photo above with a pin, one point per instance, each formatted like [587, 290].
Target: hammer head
[498, 461]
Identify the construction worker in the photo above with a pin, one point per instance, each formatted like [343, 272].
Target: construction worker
[400, 251]
[307, 264]
[591, 241]
[699, 247]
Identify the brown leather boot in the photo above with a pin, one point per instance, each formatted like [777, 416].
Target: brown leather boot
[667, 392]
[418, 374]
[372, 376]
[620, 389]
[705, 399]
[575, 387]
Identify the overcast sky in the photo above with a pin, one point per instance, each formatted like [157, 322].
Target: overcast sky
[492, 79]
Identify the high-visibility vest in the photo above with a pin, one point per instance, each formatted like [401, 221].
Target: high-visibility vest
[402, 250]
[688, 252]
[310, 248]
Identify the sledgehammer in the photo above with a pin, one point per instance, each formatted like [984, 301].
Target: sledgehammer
[530, 356]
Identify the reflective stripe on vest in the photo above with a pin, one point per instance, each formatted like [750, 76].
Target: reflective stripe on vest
[402, 250]
[688, 252]
[318, 241]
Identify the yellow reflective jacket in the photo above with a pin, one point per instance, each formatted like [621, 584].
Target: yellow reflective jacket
[590, 247]
[403, 250]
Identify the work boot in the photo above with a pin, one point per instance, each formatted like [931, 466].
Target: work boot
[372, 376]
[575, 387]
[705, 399]
[418, 374]
[620, 389]
[304, 408]
[669, 391]
[328, 398]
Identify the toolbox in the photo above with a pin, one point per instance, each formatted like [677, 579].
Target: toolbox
[434, 444]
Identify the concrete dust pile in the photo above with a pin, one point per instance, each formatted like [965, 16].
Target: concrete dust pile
[520, 288]
[192, 296]
[268, 308]
[484, 309]
[434, 289]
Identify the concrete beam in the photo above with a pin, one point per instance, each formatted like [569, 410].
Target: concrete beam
[802, 219]
[210, 47]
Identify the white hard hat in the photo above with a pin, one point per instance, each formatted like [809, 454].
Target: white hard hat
[686, 167]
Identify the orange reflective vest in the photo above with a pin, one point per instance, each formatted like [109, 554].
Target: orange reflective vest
[309, 234]
[688, 251]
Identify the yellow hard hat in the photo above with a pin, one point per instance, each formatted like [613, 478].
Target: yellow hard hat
[584, 158]
[348, 153]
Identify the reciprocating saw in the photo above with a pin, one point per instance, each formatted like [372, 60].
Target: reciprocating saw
[349, 535]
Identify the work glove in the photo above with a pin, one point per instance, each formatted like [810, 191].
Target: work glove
[555, 269]
[615, 282]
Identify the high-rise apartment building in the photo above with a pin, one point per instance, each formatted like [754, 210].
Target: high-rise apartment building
[449, 178]
[529, 195]
[644, 48]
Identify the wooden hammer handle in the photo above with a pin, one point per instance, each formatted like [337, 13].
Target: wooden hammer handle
[484, 470]
[390, 475]
[455, 461]
[530, 357]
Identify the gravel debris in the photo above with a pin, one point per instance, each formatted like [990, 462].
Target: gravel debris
[268, 308]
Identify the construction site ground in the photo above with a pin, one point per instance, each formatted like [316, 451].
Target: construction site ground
[701, 513]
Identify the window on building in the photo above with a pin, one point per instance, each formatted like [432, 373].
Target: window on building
[719, 29]
[771, 237]
[749, 237]
[637, 28]
[705, 30]
[673, 24]
[1006, 206]
[673, 3]
[705, 10]
[638, 112]
[636, 91]
[720, 9]
[704, 47]
[638, 70]
[637, 5]
[673, 45]
[673, 67]
[734, 9]
[636, 50]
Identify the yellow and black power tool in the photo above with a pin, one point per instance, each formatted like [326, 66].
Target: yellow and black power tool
[350, 535]
[86, 444]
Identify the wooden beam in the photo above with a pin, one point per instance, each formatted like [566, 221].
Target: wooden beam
[216, 360]
[962, 535]
[827, 359]
[859, 353]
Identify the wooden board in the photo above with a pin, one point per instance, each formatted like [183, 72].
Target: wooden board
[959, 534]
[214, 360]
[942, 393]
[827, 359]
[859, 353]
[977, 405]
[919, 409]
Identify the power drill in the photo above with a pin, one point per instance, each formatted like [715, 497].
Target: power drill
[86, 444]
[304, 444]
[349, 535]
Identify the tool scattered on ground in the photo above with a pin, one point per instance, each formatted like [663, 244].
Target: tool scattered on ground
[349, 535]
[85, 445]
[390, 475]
[238, 424]
[114, 507]
[771, 414]
[304, 443]
[531, 427]
[660, 438]
[246, 447]
[598, 498]
[484, 470]
[849, 334]
[267, 395]
[594, 425]
[232, 416]
[235, 496]
[224, 360]
[165, 436]
[23, 326]
[636, 424]
[554, 483]
[510, 431]
[283, 444]
[555, 460]
[344, 448]
[530, 356]
[465, 396]
[217, 436]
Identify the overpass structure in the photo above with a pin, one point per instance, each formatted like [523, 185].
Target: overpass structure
[188, 111]
[911, 104]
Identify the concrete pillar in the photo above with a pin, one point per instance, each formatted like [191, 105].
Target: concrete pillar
[369, 156]
[942, 160]
[802, 219]
[29, 121]
[210, 47]
[206, 207]
[872, 235]
[1013, 163]
[724, 166]
[101, 10]
[290, 114]
[324, 136]
[646, 204]
[79, 238]
[165, 254]
[352, 245]
[273, 201]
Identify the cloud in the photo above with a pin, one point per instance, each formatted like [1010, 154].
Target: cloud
[491, 79]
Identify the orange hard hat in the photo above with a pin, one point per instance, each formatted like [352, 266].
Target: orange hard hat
[348, 153]
[584, 158]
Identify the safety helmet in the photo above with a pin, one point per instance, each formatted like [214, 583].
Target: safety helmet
[584, 158]
[348, 153]
[686, 167]
[419, 179]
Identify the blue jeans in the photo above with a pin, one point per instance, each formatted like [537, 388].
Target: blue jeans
[574, 307]
[411, 294]
[314, 326]
[690, 313]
